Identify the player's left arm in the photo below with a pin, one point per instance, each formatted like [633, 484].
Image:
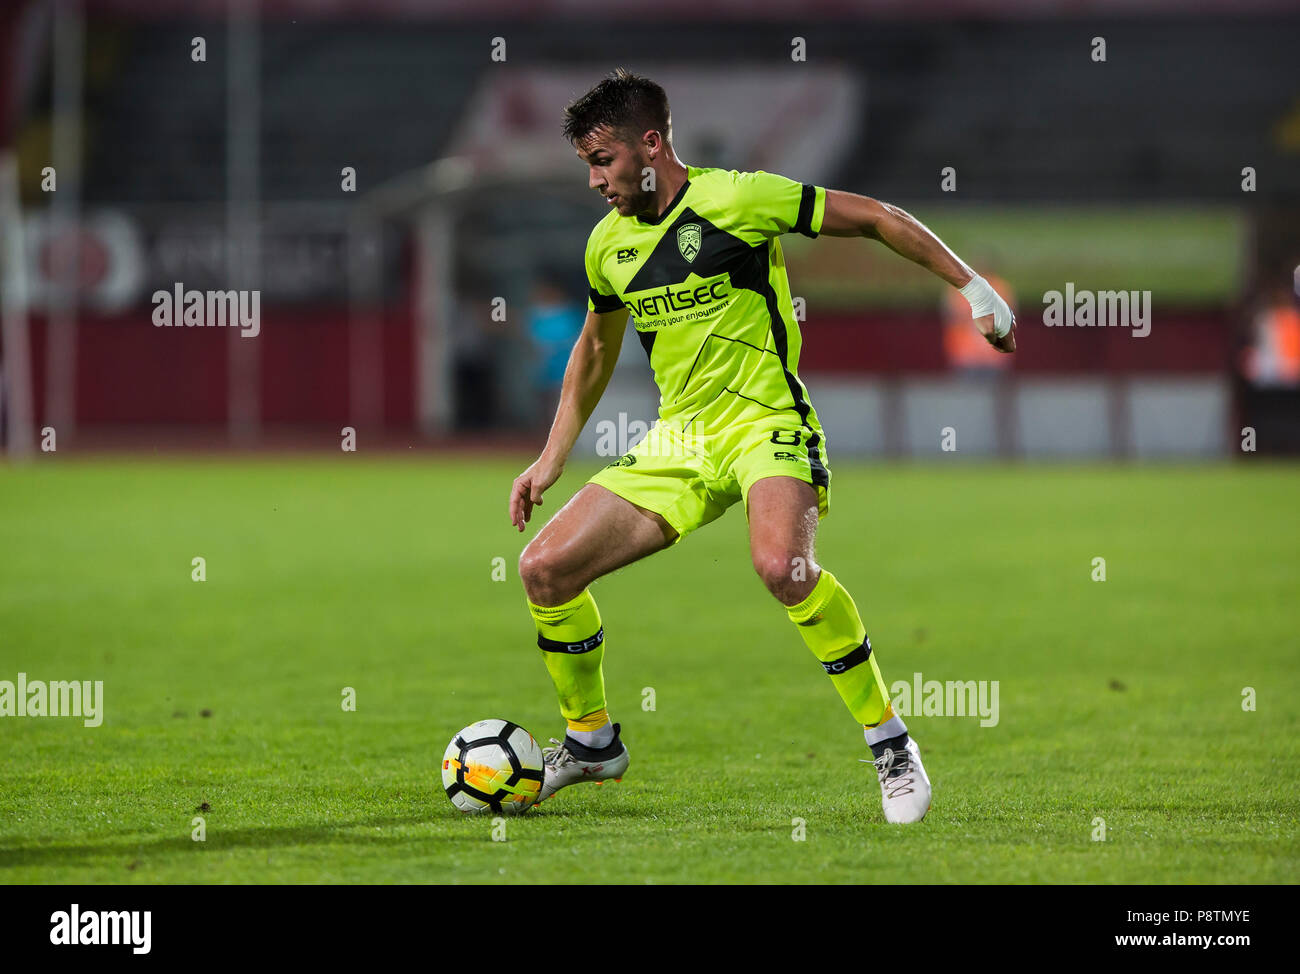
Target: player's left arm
[851, 215]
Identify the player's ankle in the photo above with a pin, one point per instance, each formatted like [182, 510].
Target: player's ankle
[595, 738]
[584, 752]
[893, 727]
[891, 734]
[895, 744]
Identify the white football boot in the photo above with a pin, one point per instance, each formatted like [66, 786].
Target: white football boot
[569, 763]
[904, 785]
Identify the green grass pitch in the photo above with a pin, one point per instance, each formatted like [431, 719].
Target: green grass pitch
[1119, 700]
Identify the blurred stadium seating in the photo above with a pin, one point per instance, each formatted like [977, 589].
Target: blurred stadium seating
[377, 303]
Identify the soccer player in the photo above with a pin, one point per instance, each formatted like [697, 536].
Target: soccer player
[694, 255]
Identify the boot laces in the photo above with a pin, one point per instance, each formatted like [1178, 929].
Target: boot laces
[894, 770]
[557, 757]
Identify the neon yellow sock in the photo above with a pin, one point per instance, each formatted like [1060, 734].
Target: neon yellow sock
[572, 641]
[829, 623]
[589, 724]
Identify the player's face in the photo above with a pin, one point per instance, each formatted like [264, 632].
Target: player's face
[615, 170]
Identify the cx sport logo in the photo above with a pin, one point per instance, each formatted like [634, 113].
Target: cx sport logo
[786, 438]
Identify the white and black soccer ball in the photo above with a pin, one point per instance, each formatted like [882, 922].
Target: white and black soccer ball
[493, 765]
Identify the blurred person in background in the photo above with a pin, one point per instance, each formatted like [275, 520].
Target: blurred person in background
[555, 318]
[1273, 357]
[474, 367]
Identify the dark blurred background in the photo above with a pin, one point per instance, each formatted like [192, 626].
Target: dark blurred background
[390, 176]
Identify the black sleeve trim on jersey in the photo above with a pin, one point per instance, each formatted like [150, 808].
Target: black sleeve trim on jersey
[648, 343]
[807, 203]
[604, 303]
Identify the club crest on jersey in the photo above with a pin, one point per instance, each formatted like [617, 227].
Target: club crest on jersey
[688, 241]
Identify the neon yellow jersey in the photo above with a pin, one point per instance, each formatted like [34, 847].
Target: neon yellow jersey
[707, 290]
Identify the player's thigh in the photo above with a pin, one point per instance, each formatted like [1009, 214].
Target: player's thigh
[782, 525]
[593, 534]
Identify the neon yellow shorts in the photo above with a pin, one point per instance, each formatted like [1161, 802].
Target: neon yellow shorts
[691, 478]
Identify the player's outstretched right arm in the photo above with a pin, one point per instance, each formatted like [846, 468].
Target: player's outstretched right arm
[591, 363]
[851, 215]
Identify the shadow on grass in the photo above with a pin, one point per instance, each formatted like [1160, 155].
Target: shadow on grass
[57, 853]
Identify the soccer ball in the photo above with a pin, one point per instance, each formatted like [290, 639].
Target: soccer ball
[493, 765]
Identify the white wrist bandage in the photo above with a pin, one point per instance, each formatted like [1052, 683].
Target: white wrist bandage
[986, 301]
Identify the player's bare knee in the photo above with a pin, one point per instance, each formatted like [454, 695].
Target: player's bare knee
[785, 574]
[546, 579]
[537, 572]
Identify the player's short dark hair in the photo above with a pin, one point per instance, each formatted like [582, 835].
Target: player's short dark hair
[626, 104]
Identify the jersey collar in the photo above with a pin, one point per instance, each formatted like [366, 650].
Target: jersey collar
[671, 206]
